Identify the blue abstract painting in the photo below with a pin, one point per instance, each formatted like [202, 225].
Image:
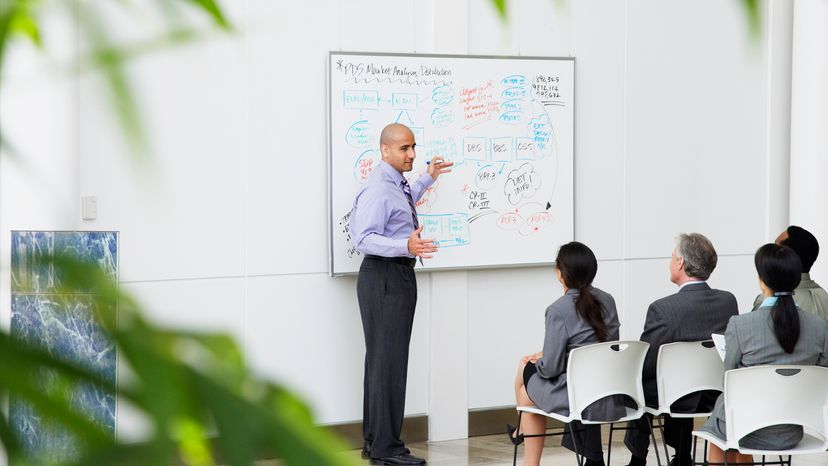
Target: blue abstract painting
[63, 322]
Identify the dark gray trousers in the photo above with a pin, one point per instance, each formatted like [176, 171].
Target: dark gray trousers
[677, 431]
[587, 440]
[677, 434]
[387, 294]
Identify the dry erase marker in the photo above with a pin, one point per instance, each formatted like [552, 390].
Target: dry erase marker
[429, 162]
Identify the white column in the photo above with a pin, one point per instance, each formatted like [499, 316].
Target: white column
[809, 126]
[448, 380]
[779, 39]
[448, 387]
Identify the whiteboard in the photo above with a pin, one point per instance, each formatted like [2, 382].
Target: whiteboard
[507, 123]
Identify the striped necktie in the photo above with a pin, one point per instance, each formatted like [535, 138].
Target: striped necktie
[407, 190]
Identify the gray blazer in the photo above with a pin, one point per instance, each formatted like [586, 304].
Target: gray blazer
[692, 314]
[566, 330]
[750, 341]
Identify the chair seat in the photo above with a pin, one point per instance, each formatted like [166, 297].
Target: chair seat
[632, 414]
[666, 410]
[690, 415]
[808, 446]
[534, 410]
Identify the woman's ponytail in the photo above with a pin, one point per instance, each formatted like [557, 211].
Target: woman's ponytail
[780, 269]
[578, 267]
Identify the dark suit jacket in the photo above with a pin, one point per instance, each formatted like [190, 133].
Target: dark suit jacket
[692, 314]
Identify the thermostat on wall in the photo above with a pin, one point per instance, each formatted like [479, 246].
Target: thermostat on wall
[89, 207]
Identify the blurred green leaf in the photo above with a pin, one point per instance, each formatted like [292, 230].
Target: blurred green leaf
[7, 15]
[25, 24]
[110, 61]
[186, 383]
[501, 8]
[20, 18]
[21, 376]
[753, 12]
[752, 8]
[211, 8]
[123, 54]
[8, 438]
[193, 443]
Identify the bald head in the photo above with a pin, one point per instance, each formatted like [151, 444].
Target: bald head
[393, 132]
[397, 147]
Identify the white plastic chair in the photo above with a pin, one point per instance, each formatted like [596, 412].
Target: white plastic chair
[594, 372]
[763, 396]
[683, 368]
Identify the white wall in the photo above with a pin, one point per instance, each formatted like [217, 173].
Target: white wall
[677, 122]
[38, 153]
[38, 156]
[809, 115]
[675, 131]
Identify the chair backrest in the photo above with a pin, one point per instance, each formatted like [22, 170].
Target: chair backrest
[762, 396]
[686, 367]
[604, 369]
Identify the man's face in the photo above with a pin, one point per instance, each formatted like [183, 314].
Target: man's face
[676, 266]
[399, 152]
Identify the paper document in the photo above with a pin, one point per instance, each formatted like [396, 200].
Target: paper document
[719, 341]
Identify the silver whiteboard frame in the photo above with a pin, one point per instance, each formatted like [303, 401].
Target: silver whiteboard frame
[329, 160]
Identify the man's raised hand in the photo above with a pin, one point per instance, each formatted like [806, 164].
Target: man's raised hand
[437, 166]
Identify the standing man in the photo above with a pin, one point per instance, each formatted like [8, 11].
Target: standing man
[385, 229]
[808, 295]
[692, 314]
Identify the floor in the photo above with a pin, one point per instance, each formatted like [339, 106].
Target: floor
[496, 450]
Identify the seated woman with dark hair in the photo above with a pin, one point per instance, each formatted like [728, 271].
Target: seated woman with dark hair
[582, 316]
[777, 332]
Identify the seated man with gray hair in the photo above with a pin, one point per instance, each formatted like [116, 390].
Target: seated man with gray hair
[691, 314]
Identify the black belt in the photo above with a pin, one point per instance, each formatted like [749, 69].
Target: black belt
[409, 261]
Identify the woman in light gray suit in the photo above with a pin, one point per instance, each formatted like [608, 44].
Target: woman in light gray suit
[582, 316]
[778, 332]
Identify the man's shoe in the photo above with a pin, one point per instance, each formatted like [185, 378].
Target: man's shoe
[590, 462]
[636, 461]
[366, 451]
[403, 459]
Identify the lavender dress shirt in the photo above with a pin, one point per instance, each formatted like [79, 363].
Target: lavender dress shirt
[381, 220]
